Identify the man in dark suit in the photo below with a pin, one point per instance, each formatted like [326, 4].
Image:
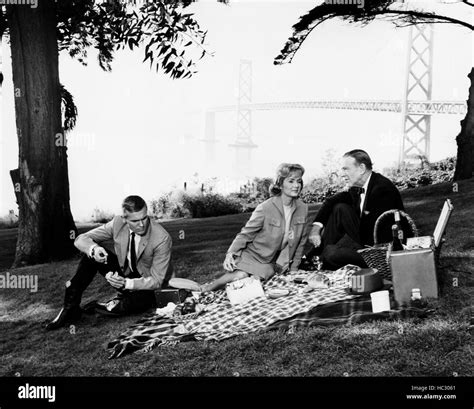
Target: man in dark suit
[137, 260]
[345, 222]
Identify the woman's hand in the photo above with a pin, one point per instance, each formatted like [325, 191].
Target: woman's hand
[229, 262]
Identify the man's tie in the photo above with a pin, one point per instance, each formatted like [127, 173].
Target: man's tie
[357, 192]
[133, 255]
[357, 189]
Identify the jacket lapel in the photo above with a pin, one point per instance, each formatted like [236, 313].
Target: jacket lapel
[294, 219]
[124, 238]
[278, 203]
[144, 241]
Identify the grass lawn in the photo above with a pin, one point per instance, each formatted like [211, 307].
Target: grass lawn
[437, 346]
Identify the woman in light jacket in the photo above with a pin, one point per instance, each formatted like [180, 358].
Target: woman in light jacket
[274, 237]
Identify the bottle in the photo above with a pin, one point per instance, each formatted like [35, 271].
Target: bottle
[416, 300]
[399, 227]
[396, 242]
[304, 263]
[396, 215]
[317, 264]
[415, 294]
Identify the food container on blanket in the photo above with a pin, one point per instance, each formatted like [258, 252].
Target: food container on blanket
[366, 281]
[319, 281]
[243, 290]
[174, 295]
[189, 306]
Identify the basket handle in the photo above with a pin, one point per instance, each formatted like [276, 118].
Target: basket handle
[411, 223]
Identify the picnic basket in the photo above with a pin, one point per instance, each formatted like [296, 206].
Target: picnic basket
[376, 255]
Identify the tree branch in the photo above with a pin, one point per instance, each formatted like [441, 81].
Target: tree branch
[68, 108]
[429, 17]
[294, 43]
[468, 3]
[321, 13]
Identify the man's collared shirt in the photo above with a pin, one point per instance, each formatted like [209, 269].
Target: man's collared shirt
[128, 281]
[362, 200]
[363, 195]
[137, 242]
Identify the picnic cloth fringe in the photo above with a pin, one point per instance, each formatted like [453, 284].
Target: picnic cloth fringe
[221, 320]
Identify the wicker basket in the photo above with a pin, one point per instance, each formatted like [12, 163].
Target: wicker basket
[376, 256]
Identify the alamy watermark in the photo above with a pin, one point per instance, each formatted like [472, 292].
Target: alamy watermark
[8, 281]
[358, 3]
[28, 391]
[79, 139]
[32, 3]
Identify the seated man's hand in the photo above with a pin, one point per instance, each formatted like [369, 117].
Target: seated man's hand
[115, 280]
[99, 254]
[315, 236]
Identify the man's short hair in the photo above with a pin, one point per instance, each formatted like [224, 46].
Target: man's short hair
[360, 156]
[133, 204]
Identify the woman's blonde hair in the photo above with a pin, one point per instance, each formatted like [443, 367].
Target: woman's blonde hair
[283, 171]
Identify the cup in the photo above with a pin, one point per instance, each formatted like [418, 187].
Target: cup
[380, 301]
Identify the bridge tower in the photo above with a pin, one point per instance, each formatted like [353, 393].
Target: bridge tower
[243, 144]
[418, 85]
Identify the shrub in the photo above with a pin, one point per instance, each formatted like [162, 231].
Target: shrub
[160, 207]
[252, 194]
[247, 201]
[9, 221]
[169, 206]
[438, 172]
[263, 187]
[101, 216]
[210, 205]
[319, 189]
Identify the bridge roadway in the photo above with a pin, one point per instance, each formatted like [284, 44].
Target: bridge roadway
[413, 107]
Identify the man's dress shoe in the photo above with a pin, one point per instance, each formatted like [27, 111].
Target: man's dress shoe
[111, 308]
[65, 316]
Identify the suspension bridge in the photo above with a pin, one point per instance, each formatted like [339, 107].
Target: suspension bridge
[416, 107]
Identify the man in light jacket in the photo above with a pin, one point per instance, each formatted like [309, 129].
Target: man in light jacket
[132, 252]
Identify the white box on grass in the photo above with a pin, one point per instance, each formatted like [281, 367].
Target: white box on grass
[243, 290]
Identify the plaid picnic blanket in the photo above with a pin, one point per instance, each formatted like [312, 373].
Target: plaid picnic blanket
[220, 320]
[353, 311]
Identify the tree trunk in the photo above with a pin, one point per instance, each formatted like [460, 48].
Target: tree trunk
[46, 227]
[465, 139]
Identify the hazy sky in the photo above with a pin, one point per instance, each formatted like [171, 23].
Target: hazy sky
[139, 132]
